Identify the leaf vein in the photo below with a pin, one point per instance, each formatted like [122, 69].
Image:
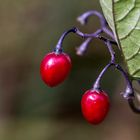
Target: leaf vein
[135, 72]
[129, 33]
[128, 12]
[107, 6]
[133, 55]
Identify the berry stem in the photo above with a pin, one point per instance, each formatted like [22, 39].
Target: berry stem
[85, 35]
[111, 51]
[95, 35]
[96, 85]
[58, 48]
[105, 39]
[112, 62]
[83, 19]
[108, 32]
[83, 47]
[129, 91]
[133, 107]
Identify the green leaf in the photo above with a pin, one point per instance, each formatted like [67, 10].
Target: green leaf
[123, 17]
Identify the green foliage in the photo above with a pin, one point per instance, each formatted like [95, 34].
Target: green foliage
[123, 17]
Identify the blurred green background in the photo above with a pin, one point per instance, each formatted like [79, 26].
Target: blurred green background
[29, 110]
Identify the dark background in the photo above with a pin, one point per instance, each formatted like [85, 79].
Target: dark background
[29, 110]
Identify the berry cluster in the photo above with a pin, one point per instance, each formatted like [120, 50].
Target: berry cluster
[56, 66]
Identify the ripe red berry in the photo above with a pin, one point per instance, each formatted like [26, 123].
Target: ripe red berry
[95, 106]
[55, 68]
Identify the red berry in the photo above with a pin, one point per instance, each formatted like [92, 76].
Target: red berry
[55, 68]
[95, 106]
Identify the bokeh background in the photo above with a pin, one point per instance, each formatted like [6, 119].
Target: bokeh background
[29, 110]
